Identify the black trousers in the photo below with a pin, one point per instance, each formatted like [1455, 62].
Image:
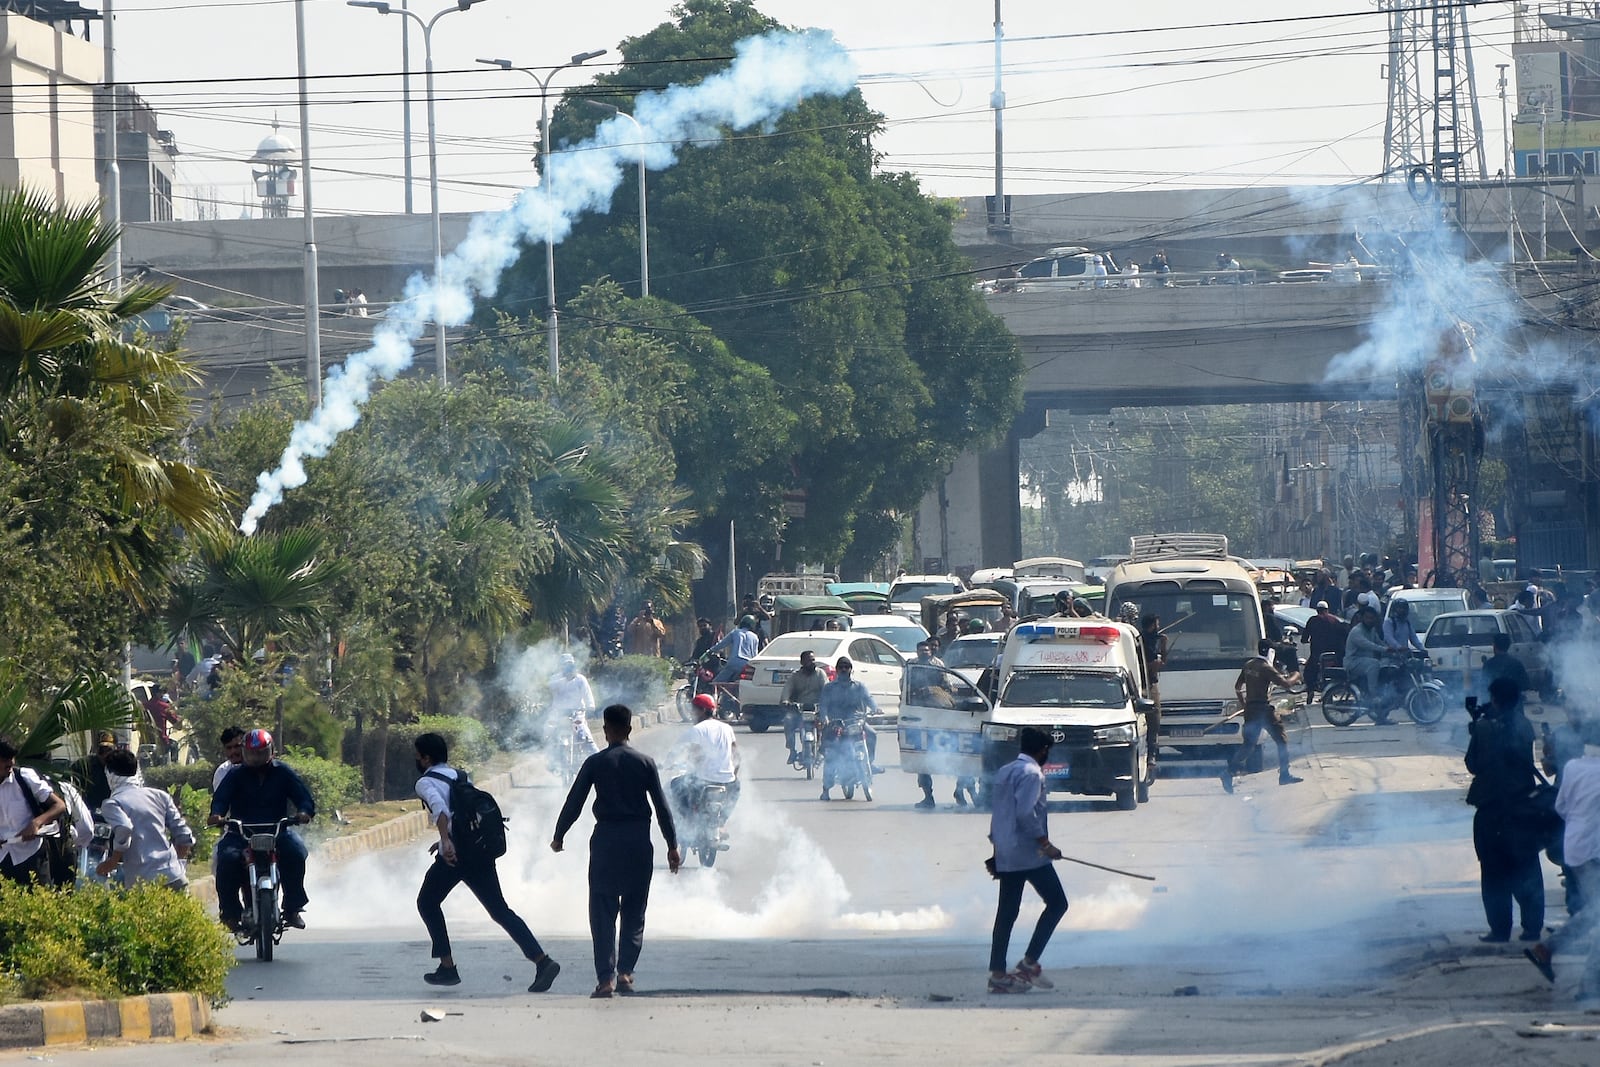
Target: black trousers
[1259, 717]
[36, 866]
[1048, 886]
[1509, 870]
[621, 863]
[483, 879]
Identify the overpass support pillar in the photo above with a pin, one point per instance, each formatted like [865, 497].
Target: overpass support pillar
[973, 517]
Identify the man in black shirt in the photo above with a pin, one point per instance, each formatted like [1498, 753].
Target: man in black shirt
[621, 857]
[1500, 760]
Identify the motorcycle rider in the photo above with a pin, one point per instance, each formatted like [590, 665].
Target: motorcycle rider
[1398, 633]
[716, 759]
[742, 643]
[258, 793]
[845, 700]
[1364, 650]
[1324, 632]
[801, 691]
[571, 701]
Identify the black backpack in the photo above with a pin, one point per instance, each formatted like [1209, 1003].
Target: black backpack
[477, 828]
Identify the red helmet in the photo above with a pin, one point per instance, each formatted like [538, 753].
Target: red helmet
[706, 702]
[258, 739]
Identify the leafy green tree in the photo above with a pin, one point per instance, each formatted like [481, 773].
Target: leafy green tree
[840, 282]
[86, 704]
[94, 482]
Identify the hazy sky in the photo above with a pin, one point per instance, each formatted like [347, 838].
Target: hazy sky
[1118, 95]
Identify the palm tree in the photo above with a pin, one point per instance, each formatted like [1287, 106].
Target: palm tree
[252, 593]
[70, 379]
[88, 703]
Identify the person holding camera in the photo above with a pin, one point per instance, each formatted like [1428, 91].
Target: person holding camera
[1500, 760]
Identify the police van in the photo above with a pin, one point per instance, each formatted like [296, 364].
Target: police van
[1081, 681]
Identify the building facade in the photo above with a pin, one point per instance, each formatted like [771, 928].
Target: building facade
[50, 74]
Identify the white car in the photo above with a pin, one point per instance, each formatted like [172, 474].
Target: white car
[874, 662]
[969, 654]
[900, 632]
[1428, 604]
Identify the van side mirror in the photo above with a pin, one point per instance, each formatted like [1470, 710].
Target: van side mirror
[1144, 705]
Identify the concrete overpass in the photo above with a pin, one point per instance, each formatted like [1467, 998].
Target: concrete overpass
[1091, 350]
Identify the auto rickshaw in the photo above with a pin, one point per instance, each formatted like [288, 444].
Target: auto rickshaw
[864, 598]
[982, 604]
[791, 613]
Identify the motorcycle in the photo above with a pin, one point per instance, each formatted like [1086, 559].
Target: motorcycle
[808, 755]
[561, 748]
[1406, 682]
[90, 857]
[844, 758]
[703, 816]
[262, 924]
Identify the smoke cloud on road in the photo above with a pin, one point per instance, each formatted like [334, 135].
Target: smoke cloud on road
[769, 75]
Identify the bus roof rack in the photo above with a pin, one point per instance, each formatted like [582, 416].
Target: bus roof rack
[1146, 547]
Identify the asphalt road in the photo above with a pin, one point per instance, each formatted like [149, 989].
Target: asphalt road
[1331, 921]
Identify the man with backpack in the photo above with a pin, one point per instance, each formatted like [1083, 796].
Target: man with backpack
[472, 835]
[28, 807]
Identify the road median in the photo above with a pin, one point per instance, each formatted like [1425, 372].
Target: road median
[76, 1022]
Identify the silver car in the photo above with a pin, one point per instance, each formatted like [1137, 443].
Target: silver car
[1459, 641]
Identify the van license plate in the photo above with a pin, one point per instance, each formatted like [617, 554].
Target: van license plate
[1188, 731]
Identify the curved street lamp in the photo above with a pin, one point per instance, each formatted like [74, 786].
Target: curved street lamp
[553, 323]
[384, 8]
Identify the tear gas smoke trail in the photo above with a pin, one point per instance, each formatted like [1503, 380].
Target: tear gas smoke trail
[769, 75]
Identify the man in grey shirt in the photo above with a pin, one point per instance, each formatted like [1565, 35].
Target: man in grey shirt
[1019, 828]
[149, 838]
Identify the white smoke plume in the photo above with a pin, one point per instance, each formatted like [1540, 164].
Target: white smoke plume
[770, 74]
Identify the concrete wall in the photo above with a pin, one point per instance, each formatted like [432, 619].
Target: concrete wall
[259, 261]
[47, 139]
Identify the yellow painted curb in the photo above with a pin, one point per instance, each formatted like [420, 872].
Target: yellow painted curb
[75, 1022]
[64, 1023]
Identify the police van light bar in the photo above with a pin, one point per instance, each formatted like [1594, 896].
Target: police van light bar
[1053, 631]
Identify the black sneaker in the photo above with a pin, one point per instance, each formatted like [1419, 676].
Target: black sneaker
[1227, 779]
[926, 804]
[294, 919]
[442, 976]
[544, 975]
[1289, 779]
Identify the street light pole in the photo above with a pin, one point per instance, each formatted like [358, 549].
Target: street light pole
[553, 320]
[312, 291]
[1508, 170]
[405, 103]
[644, 218]
[382, 7]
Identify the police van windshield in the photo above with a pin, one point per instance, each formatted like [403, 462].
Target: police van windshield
[1207, 626]
[1060, 689]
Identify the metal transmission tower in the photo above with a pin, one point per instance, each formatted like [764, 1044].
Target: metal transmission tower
[1434, 133]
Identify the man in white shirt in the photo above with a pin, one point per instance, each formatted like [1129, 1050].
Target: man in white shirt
[451, 868]
[571, 701]
[1578, 804]
[149, 837]
[715, 753]
[27, 807]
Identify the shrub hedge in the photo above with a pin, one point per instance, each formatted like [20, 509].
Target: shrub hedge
[332, 784]
[469, 741]
[173, 775]
[107, 942]
[639, 681]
